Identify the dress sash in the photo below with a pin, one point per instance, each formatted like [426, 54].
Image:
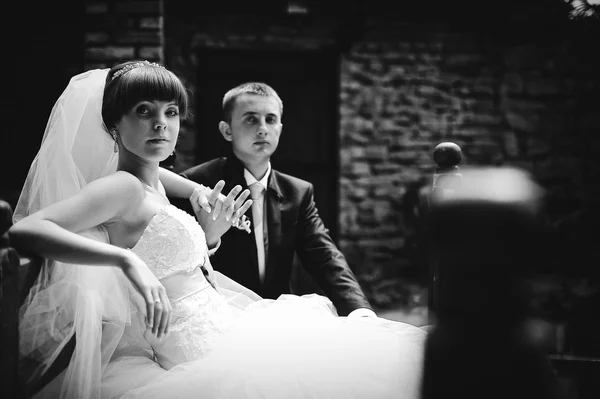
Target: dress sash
[182, 284]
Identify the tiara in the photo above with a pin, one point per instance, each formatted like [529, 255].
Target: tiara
[129, 67]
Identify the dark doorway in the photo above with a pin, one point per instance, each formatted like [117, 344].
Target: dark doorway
[308, 84]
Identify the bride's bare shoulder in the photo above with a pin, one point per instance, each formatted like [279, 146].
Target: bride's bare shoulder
[121, 186]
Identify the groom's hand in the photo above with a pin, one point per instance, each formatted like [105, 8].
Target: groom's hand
[224, 210]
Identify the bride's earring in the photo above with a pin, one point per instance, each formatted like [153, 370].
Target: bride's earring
[114, 136]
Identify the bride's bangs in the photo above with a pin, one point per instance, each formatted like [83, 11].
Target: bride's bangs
[152, 84]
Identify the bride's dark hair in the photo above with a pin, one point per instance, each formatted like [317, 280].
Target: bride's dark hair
[134, 81]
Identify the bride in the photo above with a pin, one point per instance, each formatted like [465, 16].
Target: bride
[128, 275]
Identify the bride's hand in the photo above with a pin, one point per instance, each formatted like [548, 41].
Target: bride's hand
[158, 307]
[225, 210]
[201, 198]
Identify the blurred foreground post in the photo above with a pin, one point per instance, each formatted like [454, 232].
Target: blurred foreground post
[446, 181]
[480, 237]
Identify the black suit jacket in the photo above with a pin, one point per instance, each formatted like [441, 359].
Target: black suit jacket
[294, 225]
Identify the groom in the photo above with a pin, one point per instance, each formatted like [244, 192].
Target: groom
[284, 217]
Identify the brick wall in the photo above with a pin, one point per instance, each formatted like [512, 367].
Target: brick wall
[522, 99]
[118, 31]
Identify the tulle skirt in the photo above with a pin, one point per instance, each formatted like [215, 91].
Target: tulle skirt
[292, 347]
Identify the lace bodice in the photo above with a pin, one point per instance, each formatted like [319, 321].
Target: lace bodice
[173, 241]
[174, 247]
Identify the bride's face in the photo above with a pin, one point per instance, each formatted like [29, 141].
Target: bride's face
[150, 129]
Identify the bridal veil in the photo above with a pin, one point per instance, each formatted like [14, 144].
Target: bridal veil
[88, 304]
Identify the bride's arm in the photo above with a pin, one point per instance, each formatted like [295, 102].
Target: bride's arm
[52, 231]
[178, 186]
[201, 197]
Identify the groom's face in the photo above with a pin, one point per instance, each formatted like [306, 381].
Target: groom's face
[255, 127]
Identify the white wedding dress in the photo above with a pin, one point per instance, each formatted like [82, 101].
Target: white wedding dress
[229, 343]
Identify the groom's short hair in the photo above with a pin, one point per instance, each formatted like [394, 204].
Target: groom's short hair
[256, 88]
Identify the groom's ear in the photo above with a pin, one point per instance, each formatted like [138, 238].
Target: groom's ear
[225, 130]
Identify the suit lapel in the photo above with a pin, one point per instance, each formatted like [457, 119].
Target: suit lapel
[274, 200]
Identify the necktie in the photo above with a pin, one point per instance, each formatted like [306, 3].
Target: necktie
[256, 190]
[260, 227]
